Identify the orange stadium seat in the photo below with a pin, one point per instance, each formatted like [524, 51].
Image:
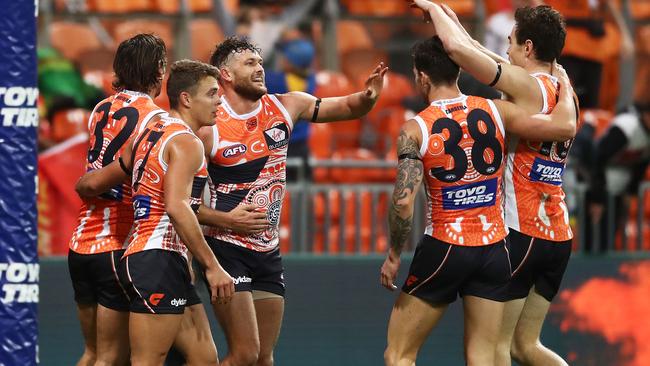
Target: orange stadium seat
[72, 39]
[205, 34]
[376, 7]
[173, 6]
[130, 28]
[642, 89]
[640, 9]
[332, 84]
[351, 35]
[120, 6]
[320, 147]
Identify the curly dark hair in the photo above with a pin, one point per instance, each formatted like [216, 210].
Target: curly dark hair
[231, 45]
[430, 57]
[185, 76]
[545, 27]
[138, 61]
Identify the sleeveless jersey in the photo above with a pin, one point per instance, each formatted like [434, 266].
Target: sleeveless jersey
[104, 222]
[248, 166]
[462, 153]
[533, 180]
[152, 228]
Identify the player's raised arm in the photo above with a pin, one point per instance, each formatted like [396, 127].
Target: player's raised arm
[341, 108]
[560, 125]
[410, 172]
[98, 181]
[185, 158]
[512, 80]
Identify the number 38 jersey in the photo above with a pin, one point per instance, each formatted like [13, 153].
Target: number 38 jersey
[533, 179]
[104, 222]
[462, 153]
[152, 228]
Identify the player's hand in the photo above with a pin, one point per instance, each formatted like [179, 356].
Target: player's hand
[563, 77]
[248, 219]
[389, 270]
[222, 285]
[375, 82]
[423, 5]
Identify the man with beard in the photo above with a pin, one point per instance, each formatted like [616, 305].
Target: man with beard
[247, 150]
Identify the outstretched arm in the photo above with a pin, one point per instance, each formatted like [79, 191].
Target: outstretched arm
[304, 106]
[410, 172]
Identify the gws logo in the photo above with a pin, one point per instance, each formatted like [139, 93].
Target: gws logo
[480, 194]
[154, 299]
[21, 282]
[179, 302]
[277, 136]
[242, 279]
[234, 151]
[547, 172]
[141, 206]
[18, 106]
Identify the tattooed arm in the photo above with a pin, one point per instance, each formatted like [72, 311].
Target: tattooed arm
[400, 214]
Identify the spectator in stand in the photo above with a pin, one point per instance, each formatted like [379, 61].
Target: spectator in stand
[296, 74]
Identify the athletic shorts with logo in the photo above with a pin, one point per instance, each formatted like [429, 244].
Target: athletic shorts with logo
[441, 271]
[535, 262]
[252, 270]
[95, 279]
[158, 282]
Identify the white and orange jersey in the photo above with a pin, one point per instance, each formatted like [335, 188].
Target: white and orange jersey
[104, 222]
[533, 179]
[152, 228]
[463, 153]
[248, 166]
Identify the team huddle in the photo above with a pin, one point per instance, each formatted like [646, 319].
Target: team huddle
[497, 229]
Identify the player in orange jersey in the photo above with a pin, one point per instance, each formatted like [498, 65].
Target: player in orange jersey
[104, 222]
[536, 212]
[457, 146]
[168, 176]
[247, 150]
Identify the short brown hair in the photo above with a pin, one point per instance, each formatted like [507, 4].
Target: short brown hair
[185, 76]
[545, 27]
[138, 61]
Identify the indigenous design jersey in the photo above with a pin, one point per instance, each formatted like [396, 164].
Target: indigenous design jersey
[462, 153]
[248, 166]
[104, 222]
[533, 180]
[152, 228]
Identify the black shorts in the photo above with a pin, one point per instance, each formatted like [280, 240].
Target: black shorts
[535, 262]
[252, 270]
[157, 281]
[441, 271]
[95, 280]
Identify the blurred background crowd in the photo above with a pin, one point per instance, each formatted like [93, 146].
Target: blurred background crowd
[340, 175]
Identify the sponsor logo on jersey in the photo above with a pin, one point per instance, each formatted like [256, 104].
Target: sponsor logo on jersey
[251, 124]
[480, 194]
[242, 279]
[277, 136]
[154, 299]
[141, 207]
[18, 106]
[547, 172]
[19, 282]
[179, 302]
[234, 151]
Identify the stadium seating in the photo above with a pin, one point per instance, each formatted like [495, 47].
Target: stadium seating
[72, 39]
[129, 28]
[205, 34]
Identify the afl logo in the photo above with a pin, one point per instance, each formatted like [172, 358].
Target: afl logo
[234, 151]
